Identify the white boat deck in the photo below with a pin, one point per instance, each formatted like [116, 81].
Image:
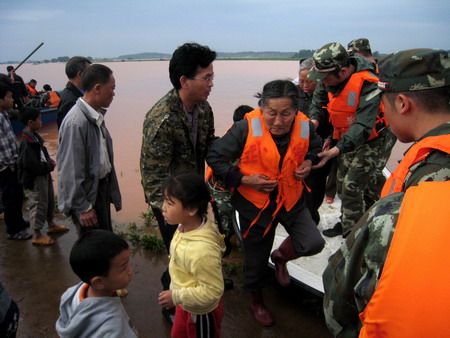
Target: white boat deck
[308, 270]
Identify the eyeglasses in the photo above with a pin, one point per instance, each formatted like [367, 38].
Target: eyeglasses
[209, 78]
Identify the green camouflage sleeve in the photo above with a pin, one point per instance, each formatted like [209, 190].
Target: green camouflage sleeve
[353, 271]
[155, 161]
[319, 101]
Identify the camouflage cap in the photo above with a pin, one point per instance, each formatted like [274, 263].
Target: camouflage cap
[414, 69]
[333, 56]
[359, 45]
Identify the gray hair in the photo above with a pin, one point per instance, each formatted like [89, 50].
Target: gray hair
[279, 89]
[306, 64]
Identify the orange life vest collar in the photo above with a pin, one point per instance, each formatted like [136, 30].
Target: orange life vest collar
[412, 298]
[261, 156]
[342, 107]
[418, 152]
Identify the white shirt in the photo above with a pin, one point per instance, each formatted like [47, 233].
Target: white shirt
[105, 164]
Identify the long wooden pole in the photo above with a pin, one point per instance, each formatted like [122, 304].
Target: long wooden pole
[20, 64]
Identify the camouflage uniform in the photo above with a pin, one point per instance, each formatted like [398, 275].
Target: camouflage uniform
[359, 45]
[167, 147]
[353, 272]
[359, 160]
[222, 195]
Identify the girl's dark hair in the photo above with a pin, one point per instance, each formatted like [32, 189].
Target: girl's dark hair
[190, 189]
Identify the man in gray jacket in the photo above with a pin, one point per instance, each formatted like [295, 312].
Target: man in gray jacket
[87, 181]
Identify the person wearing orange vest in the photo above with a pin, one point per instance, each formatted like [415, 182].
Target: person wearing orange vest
[389, 278]
[53, 97]
[276, 146]
[31, 87]
[345, 96]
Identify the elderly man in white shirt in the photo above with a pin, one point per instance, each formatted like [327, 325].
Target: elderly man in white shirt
[87, 182]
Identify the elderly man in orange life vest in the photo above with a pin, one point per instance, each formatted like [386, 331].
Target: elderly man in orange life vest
[364, 142]
[276, 146]
[390, 277]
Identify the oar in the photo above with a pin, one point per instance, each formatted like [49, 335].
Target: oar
[20, 64]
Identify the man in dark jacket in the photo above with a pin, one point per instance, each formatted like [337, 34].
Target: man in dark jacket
[74, 68]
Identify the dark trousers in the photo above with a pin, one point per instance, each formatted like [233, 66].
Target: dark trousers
[317, 182]
[102, 208]
[167, 231]
[306, 240]
[12, 198]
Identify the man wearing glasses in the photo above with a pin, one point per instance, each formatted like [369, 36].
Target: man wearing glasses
[178, 130]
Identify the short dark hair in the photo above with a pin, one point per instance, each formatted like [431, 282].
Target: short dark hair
[47, 87]
[93, 75]
[430, 100]
[9, 68]
[187, 59]
[240, 112]
[279, 89]
[93, 252]
[76, 64]
[32, 80]
[191, 189]
[28, 113]
[4, 89]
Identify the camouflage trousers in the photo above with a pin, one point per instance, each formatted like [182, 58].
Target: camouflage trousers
[222, 196]
[360, 177]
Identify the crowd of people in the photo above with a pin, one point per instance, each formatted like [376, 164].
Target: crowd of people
[332, 129]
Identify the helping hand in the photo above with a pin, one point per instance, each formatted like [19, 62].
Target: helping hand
[259, 182]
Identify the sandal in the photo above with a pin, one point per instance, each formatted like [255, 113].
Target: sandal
[20, 236]
[329, 200]
[43, 241]
[57, 229]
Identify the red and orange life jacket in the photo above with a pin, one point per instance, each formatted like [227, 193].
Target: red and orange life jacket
[342, 108]
[412, 298]
[261, 156]
[418, 152]
[54, 99]
[31, 90]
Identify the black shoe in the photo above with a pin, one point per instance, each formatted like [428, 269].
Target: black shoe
[228, 283]
[335, 231]
[169, 315]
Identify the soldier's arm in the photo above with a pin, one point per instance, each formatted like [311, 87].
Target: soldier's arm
[365, 118]
[435, 167]
[156, 156]
[353, 271]
[316, 110]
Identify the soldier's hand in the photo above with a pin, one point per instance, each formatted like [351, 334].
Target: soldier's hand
[259, 182]
[325, 156]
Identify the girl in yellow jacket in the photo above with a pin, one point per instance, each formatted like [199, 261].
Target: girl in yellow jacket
[195, 259]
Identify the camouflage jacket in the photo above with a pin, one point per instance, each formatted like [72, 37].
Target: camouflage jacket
[167, 147]
[365, 116]
[353, 272]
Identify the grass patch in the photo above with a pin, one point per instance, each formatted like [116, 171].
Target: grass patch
[143, 237]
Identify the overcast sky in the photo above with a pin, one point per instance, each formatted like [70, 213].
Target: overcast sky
[109, 28]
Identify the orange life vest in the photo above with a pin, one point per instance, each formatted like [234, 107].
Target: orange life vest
[418, 152]
[54, 99]
[261, 156]
[412, 298]
[31, 90]
[342, 108]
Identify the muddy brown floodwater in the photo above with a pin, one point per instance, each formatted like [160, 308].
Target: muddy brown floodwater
[36, 276]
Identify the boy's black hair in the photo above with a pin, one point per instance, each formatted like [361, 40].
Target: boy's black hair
[93, 75]
[187, 59]
[4, 89]
[93, 252]
[28, 113]
[190, 189]
[240, 112]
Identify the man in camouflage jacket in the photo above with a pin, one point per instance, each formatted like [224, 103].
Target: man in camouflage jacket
[422, 76]
[178, 131]
[358, 158]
